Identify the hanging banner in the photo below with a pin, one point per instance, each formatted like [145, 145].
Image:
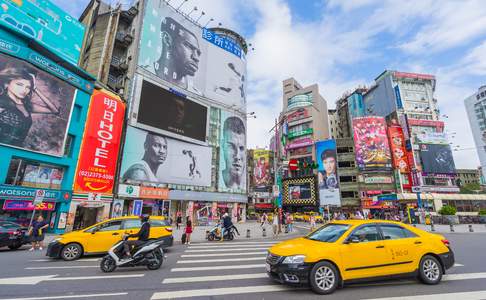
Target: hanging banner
[397, 145]
[101, 142]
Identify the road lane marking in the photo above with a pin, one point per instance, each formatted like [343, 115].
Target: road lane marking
[234, 243]
[227, 247]
[33, 280]
[68, 296]
[223, 250]
[218, 268]
[195, 261]
[464, 276]
[60, 267]
[458, 265]
[221, 291]
[53, 260]
[223, 254]
[477, 295]
[214, 278]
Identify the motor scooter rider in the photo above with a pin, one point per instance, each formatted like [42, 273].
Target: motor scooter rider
[143, 236]
[227, 225]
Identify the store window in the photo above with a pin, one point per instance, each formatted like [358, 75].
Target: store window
[34, 174]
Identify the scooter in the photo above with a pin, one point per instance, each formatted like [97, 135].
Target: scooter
[215, 234]
[149, 254]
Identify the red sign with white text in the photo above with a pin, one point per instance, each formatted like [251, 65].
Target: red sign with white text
[101, 142]
[397, 145]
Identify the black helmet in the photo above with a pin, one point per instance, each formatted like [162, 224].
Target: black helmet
[144, 217]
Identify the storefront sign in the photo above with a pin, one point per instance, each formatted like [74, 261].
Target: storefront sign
[126, 190]
[262, 194]
[301, 113]
[137, 207]
[300, 133]
[22, 193]
[439, 125]
[374, 192]
[263, 205]
[301, 151]
[387, 197]
[154, 193]
[378, 179]
[433, 138]
[413, 75]
[300, 143]
[28, 205]
[437, 189]
[207, 196]
[99, 150]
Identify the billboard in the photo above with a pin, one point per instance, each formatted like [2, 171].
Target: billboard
[98, 155]
[437, 159]
[45, 23]
[42, 176]
[197, 60]
[171, 113]
[35, 107]
[299, 191]
[397, 147]
[232, 155]
[149, 157]
[261, 168]
[371, 142]
[327, 177]
[433, 138]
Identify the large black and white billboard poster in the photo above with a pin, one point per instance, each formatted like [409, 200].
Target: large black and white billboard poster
[437, 159]
[35, 107]
[171, 113]
[150, 157]
[194, 59]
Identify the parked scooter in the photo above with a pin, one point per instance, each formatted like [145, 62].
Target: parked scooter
[215, 234]
[149, 254]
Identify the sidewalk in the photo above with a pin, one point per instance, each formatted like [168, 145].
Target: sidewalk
[461, 228]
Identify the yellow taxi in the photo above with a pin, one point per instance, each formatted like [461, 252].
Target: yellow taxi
[99, 238]
[317, 217]
[298, 217]
[347, 251]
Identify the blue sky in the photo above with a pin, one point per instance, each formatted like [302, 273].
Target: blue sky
[341, 44]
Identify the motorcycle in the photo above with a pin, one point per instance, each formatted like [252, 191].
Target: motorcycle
[215, 234]
[149, 254]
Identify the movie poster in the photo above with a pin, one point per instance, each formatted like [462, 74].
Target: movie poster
[261, 168]
[327, 177]
[371, 143]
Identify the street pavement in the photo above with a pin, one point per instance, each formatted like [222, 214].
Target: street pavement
[221, 270]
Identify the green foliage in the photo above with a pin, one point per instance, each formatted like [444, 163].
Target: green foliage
[482, 212]
[447, 210]
[471, 188]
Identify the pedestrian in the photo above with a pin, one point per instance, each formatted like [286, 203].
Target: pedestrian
[188, 231]
[284, 223]
[178, 220]
[290, 221]
[312, 222]
[275, 225]
[37, 231]
[263, 219]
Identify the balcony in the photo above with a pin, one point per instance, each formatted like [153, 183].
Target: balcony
[119, 63]
[115, 82]
[348, 171]
[346, 156]
[125, 38]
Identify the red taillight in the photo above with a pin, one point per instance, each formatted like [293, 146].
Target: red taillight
[169, 229]
[445, 242]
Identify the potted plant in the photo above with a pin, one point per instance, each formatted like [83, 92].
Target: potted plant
[449, 213]
[482, 216]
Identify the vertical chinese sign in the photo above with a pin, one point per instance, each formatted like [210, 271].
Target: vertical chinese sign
[101, 142]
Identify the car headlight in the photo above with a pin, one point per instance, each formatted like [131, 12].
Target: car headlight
[295, 259]
[56, 240]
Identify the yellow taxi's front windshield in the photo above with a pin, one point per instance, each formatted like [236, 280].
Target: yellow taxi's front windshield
[328, 233]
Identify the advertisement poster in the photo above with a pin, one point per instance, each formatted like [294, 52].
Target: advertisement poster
[101, 141]
[137, 207]
[45, 23]
[28, 205]
[171, 113]
[439, 138]
[192, 58]
[232, 157]
[117, 208]
[371, 142]
[261, 168]
[150, 157]
[437, 159]
[53, 220]
[299, 191]
[35, 107]
[327, 177]
[397, 147]
[62, 220]
[42, 176]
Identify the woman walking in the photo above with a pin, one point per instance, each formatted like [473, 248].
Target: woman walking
[16, 106]
[275, 225]
[37, 232]
[188, 231]
[178, 219]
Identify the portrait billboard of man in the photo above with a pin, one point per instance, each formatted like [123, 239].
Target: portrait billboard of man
[327, 178]
[233, 154]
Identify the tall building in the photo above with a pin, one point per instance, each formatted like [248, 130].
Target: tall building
[302, 123]
[185, 85]
[43, 108]
[476, 112]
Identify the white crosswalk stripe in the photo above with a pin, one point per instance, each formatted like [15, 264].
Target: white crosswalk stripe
[223, 254]
[225, 250]
[194, 261]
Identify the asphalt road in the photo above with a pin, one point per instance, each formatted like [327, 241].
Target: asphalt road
[194, 272]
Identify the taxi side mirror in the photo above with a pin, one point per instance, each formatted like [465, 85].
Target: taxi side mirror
[95, 230]
[352, 240]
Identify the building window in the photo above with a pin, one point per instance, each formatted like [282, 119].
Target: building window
[68, 147]
[34, 174]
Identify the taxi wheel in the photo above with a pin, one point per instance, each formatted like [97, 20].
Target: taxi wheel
[71, 251]
[430, 270]
[324, 278]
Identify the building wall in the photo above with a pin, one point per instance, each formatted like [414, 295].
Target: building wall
[380, 100]
[476, 112]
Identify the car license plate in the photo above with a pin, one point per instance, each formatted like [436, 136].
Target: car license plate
[267, 267]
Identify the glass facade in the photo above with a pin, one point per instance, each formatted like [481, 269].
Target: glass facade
[299, 101]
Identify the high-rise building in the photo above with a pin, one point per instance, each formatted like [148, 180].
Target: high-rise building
[476, 112]
[185, 143]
